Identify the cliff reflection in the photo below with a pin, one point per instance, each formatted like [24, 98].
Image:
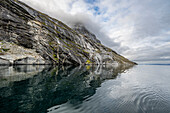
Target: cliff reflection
[38, 88]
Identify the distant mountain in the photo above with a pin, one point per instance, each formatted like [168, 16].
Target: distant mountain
[28, 36]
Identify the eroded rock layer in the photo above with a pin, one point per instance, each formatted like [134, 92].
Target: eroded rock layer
[28, 36]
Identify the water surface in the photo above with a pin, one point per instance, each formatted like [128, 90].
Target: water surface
[97, 89]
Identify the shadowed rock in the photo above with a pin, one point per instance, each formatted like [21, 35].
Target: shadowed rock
[28, 36]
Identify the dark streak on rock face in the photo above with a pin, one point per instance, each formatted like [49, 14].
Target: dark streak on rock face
[52, 40]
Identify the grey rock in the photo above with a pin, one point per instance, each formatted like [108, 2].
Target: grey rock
[53, 40]
[28, 60]
[80, 28]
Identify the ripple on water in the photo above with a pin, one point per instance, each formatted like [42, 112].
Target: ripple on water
[124, 96]
[142, 100]
[149, 100]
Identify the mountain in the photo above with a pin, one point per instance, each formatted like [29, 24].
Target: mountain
[28, 36]
[81, 29]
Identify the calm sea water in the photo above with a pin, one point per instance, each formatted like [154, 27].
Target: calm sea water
[41, 89]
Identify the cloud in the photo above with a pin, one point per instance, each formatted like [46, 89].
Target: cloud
[139, 30]
[153, 19]
[70, 12]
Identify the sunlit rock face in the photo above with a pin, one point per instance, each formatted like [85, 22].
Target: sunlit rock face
[28, 36]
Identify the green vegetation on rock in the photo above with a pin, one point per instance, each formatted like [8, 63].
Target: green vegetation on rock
[51, 39]
[88, 62]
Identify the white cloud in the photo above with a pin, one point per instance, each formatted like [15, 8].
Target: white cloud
[137, 29]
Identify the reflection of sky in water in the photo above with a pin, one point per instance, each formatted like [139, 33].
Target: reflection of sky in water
[154, 62]
[145, 88]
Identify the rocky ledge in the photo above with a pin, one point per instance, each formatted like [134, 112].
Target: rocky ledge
[28, 36]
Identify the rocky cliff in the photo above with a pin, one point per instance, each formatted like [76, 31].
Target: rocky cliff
[28, 36]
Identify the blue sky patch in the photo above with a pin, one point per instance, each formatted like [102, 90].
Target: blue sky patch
[90, 1]
[97, 10]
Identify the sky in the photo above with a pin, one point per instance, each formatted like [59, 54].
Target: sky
[136, 29]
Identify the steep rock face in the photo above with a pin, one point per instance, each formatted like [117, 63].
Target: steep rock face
[81, 29]
[28, 36]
